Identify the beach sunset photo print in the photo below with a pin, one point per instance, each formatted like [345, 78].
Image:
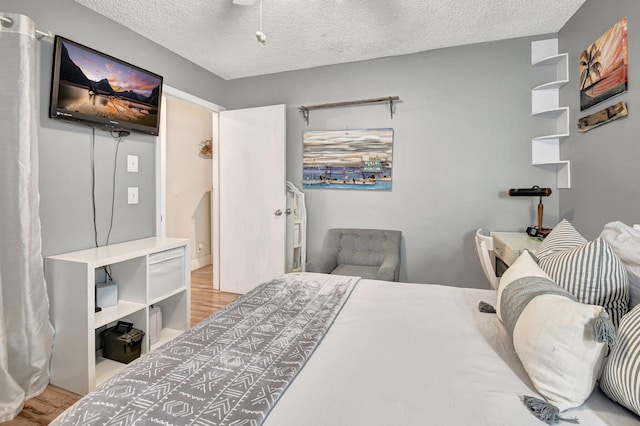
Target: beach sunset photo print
[603, 67]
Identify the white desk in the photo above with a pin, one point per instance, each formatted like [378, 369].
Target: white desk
[509, 245]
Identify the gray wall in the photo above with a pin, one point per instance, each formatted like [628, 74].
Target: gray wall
[65, 177]
[604, 161]
[462, 138]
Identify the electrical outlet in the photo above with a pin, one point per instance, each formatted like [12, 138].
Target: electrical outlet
[133, 195]
[132, 163]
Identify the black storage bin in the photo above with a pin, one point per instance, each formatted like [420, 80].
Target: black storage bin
[122, 342]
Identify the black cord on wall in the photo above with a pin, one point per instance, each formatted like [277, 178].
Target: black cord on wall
[119, 135]
[93, 183]
[113, 187]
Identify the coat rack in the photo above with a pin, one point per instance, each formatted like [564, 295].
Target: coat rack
[389, 99]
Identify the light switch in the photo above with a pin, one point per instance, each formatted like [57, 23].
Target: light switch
[133, 195]
[132, 164]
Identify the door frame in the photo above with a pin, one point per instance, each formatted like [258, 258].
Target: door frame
[161, 172]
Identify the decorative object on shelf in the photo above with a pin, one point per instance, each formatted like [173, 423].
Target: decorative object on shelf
[603, 67]
[534, 191]
[599, 118]
[122, 342]
[106, 294]
[348, 159]
[206, 147]
[389, 99]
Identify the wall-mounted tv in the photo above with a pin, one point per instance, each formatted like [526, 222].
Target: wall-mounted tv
[93, 88]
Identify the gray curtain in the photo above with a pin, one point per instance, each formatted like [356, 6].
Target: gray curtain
[26, 335]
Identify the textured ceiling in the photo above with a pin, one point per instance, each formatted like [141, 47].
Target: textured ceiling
[220, 36]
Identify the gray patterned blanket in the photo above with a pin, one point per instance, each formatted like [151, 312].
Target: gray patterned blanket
[231, 368]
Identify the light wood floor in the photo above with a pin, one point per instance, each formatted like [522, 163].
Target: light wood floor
[53, 401]
[205, 300]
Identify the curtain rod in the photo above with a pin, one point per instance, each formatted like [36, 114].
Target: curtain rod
[8, 22]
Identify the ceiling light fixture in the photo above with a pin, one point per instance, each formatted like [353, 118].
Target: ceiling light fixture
[259, 34]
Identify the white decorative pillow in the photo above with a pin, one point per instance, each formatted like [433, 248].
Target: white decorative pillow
[524, 266]
[554, 336]
[625, 242]
[556, 342]
[621, 375]
[591, 271]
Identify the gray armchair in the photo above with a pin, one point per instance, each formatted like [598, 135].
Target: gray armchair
[366, 253]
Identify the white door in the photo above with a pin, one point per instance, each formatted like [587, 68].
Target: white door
[252, 200]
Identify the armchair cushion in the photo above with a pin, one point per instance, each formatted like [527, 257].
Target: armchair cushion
[325, 262]
[369, 253]
[369, 272]
[389, 269]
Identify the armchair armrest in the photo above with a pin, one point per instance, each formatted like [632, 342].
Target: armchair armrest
[390, 268]
[325, 262]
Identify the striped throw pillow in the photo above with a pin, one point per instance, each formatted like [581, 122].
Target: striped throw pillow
[563, 237]
[591, 271]
[620, 379]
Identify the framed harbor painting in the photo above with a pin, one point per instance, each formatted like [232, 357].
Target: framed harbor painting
[603, 67]
[348, 159]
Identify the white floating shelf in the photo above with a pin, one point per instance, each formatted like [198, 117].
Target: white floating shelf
[551, 85]
[545, 105]
[551, 60]
[558, 136]
[563, 170]
[552, 112]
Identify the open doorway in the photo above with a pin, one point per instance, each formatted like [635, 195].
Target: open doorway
[189, 182]
[184, 173]
[247, 213]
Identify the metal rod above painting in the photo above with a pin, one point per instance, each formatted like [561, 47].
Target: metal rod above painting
[389, 99]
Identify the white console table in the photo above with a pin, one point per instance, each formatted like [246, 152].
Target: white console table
[151, 271]
[509, 245]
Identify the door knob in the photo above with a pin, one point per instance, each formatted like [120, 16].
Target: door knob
[278, 212]
[287, 212]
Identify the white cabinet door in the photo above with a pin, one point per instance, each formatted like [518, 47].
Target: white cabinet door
[251, 197]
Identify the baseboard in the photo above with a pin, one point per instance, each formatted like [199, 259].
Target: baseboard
[199, 262]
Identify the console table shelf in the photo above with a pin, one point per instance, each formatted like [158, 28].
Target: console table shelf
[148, 271]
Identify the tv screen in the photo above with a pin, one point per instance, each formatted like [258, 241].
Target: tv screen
[99, 90]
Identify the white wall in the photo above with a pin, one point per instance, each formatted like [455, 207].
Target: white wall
[189, 178]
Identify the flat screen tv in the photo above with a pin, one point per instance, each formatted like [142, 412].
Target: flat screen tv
[93, 88]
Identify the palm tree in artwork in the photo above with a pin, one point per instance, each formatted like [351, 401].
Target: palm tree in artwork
[589, 64]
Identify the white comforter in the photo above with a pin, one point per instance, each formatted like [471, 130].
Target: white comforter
[416, 354]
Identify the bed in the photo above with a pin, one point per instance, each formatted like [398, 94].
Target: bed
[393, 353]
